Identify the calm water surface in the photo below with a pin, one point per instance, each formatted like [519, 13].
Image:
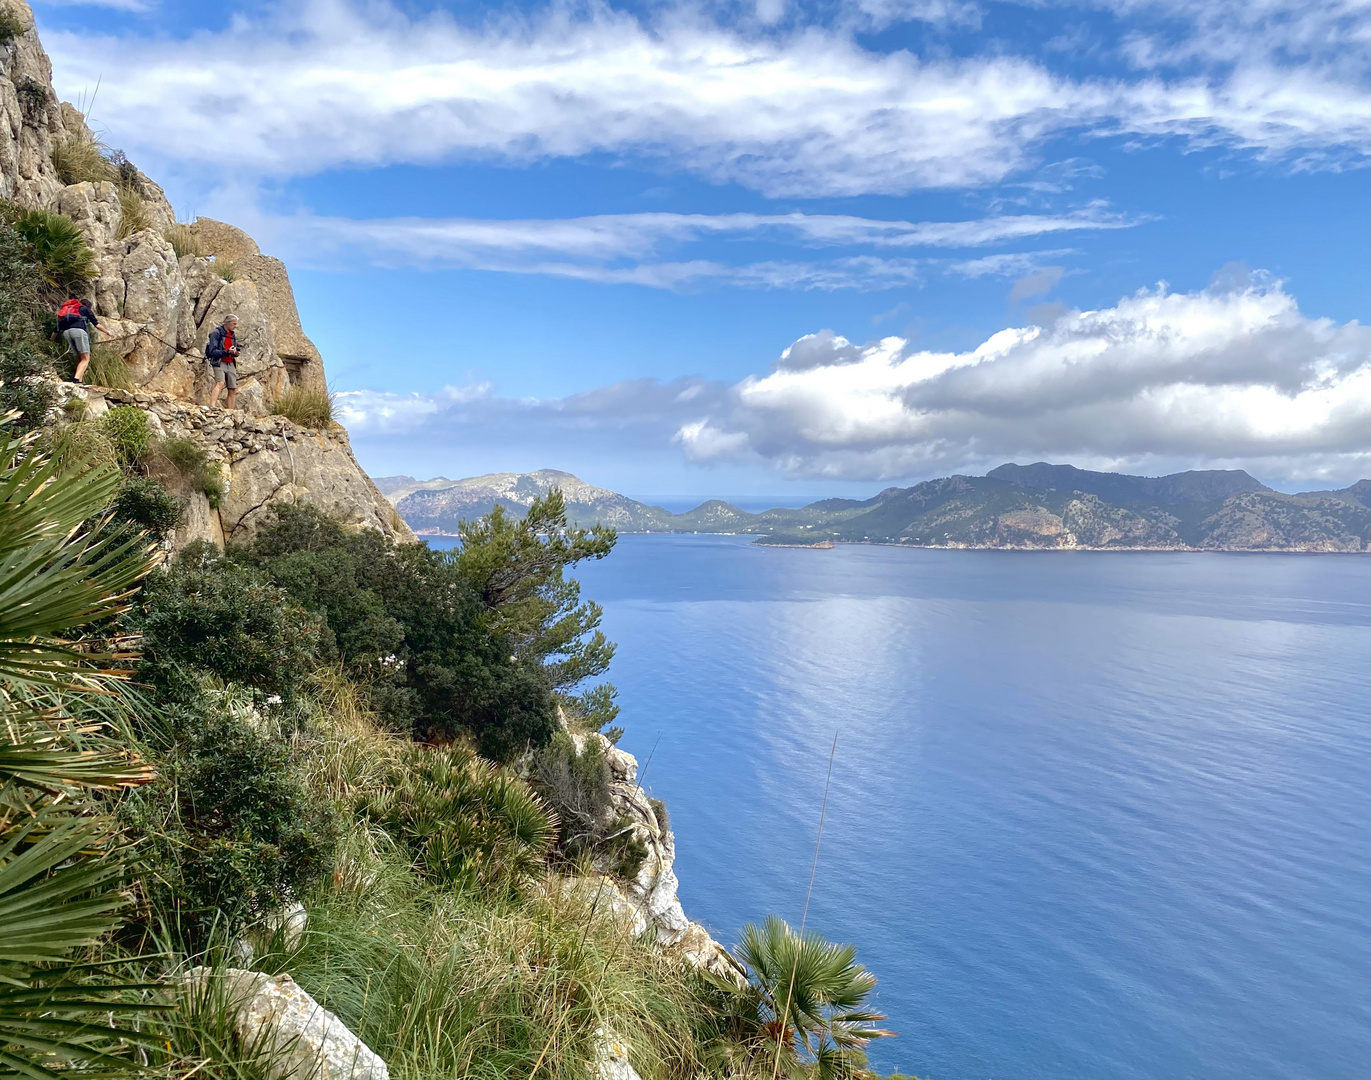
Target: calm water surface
[1091, 814]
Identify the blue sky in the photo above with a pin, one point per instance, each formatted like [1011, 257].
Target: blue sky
[1122, 233]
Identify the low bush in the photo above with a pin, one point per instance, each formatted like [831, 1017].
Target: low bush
[126, 427]
[183, 240]
[108, 367]
[78, 157]
[143, 503]
[576, 786]
[307, 408]
[659, 811]
[209, 613]
[58, 246]
[229, 832]
[194, 464]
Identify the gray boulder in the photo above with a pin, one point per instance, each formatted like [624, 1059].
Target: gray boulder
[302, 1039]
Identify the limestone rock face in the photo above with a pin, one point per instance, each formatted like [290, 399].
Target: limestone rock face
[648, 903]
[305, 1040]
[157, 309]
[265, 460]
[31, 118]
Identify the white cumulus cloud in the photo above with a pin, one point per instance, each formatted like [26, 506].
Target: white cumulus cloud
[1219, 376]
[1234, 376]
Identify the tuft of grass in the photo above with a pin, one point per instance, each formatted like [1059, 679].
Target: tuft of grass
[194, 464]
[56, 243]
[78, 158]
[83, 441]
[134, 216]
[183, 240]
[108, 368]
[307, 408]
[225, 268]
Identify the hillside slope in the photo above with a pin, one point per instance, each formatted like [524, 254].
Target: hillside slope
[1034, 506]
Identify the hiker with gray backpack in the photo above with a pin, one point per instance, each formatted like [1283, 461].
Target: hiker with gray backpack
[222, 351]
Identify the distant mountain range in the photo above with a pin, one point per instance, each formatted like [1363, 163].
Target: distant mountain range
[1013, 506]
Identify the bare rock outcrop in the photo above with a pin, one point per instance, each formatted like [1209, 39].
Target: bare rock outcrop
[31, 117]
[264, 460]
[159, 289]
[298, 1037]
[647, 902]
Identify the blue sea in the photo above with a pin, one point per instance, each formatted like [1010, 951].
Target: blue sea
[1091, 814]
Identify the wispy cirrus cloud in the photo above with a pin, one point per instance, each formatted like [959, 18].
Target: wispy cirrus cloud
[629, 248]
[331, 83]
[435, 241]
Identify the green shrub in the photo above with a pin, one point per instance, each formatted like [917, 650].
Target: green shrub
[144, 504]
[194, 464]
[576, 786]
[465, 822]
[25, 358]
[403, 619]
[229, 832]
[134, 216]
[183, 240]
[209, 613]
[79, 157]
[307, 408]
[11, 25]
[126, 426]
[108, 368]
[58, 246]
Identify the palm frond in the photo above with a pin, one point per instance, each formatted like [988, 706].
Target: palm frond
[53, 578]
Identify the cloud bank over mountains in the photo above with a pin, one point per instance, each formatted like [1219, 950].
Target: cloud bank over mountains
[1231, 376]
[798, 109]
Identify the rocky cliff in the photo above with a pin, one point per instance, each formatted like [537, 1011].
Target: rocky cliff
[159, 288]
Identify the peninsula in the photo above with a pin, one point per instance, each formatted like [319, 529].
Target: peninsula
[1038, 506]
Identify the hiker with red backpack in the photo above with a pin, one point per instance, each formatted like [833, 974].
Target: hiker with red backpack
[74, 321]
[222, 350]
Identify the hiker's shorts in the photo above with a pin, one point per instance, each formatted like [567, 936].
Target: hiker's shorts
[77, 339]
[226, 374]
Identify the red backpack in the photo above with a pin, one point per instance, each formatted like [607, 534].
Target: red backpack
[71, 307]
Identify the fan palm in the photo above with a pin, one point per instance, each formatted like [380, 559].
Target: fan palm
[812, 999]
[59, 871]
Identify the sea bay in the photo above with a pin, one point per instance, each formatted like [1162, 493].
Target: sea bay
[1090, 814]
